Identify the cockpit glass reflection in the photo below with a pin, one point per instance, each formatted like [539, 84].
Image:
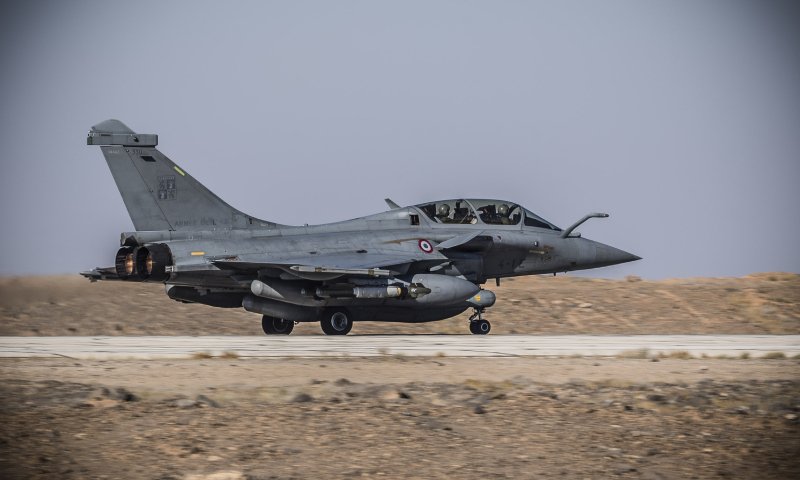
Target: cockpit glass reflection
[497, 212]
[450, 211]
[480, 212]
[533, 220]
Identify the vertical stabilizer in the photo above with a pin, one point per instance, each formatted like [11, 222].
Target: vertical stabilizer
[158, 194]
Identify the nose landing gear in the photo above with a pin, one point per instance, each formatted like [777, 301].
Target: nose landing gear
[477, 325]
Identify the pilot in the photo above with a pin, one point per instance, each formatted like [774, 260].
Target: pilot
[484, 214]
[443, 213]
[502, 211]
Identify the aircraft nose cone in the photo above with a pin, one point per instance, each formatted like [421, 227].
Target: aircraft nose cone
[608, 255]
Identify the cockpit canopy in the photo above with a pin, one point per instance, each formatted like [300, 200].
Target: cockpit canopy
[488, 212]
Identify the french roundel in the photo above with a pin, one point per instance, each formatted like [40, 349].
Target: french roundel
[425, 246]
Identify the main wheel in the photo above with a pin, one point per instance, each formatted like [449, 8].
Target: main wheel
[276, 326]
[336, 321]
[480, 327]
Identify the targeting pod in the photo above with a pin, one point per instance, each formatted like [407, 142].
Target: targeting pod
[482, 299]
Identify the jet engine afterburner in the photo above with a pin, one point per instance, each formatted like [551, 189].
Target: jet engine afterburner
[146, 263]
[125, 263]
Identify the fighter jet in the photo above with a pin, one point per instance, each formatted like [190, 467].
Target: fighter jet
[412, 264]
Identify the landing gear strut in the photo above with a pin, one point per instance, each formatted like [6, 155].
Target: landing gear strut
[477, 325]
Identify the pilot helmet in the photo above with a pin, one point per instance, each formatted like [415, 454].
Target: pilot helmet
[503, 210]
[443, 210]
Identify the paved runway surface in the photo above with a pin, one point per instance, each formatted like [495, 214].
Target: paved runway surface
[408, 345]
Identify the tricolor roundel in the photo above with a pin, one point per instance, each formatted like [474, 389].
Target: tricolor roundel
[425, 246]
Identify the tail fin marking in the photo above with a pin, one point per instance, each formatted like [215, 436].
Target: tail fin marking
[158, 194]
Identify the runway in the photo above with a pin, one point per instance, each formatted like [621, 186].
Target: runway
[146, 347]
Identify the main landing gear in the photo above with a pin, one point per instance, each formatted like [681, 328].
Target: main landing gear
[276, 326]
[336, 321]
[477, 325]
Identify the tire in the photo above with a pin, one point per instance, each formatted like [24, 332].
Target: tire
[336, 321]
[276, 326]
[480, 327]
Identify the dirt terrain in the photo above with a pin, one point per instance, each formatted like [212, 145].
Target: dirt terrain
[767, 303]
[229, 418]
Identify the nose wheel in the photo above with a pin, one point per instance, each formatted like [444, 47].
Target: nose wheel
[477, 325]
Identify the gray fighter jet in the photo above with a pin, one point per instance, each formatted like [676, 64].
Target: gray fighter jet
[409, 264]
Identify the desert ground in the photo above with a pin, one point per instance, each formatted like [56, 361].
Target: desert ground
[632, 416]
[767, 303]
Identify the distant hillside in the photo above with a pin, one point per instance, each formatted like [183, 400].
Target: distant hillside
[767, 303]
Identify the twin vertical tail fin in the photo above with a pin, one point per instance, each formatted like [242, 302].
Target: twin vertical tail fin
[158, 194]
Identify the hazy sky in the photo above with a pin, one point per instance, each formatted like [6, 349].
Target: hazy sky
[679, 118]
